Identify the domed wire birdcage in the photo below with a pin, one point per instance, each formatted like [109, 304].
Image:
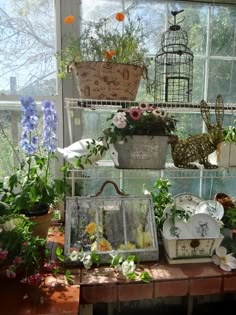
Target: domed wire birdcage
[173, 80]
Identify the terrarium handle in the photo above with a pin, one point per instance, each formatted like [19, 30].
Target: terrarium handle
[114, 184]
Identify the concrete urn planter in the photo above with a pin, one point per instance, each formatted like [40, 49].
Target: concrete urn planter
[142, 152]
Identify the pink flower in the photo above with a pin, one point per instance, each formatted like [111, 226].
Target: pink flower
[17, 260]
[156, 112]
[3, 254]
[135, 113]
[10, 273]
[119, 120]
[143, 106]
[50, 265]
[35, 279]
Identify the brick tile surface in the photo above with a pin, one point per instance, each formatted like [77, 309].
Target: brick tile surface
[98, 294]
[205, 286]
[171, 288]
[135, 291]
[229, 283]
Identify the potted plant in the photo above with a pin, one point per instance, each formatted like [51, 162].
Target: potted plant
[31, 188]
[24, 256]
[107, 60]
[138, 137]
[227, 149]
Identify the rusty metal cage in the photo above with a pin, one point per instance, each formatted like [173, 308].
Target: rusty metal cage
[173, 80]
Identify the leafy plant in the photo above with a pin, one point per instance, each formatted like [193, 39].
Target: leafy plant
[138, 120]
[161, 197]
[23, 255]
[20, 251]
[127, 266]
[229, 133]
[102, 41]
[31, 185]
[229, 218]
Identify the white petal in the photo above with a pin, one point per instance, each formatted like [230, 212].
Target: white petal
[221, 251]
[231, 261]
[216, 260]
[225, 267]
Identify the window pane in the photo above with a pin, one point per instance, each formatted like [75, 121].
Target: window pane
[27, 47]
[94, 10]
[222, 80]
[194, 23]
[198, 79]
[223, 31]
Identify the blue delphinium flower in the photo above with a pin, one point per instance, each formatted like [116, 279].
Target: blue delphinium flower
[29, 122]
[49, 126]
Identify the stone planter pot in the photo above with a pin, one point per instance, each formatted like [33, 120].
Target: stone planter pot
[227, 156]
[107, 81]
[145, 152]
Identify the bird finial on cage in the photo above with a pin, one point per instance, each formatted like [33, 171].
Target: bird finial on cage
[175, 13]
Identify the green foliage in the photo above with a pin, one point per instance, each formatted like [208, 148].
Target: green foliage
[24, 250]
[229, 218]
[161, 198]
[127, 266]
[101, 41]
[229, 133]
[29, 186]
[140, 120]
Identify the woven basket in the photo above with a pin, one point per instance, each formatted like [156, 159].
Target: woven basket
[107, 81]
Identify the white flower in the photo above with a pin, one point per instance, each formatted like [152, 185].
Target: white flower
[226, 262]
[11, 224]
[128, 267]
[87, 261]
[119, 120]
[74, 255]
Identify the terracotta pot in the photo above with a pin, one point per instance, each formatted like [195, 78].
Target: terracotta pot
[107, 81]
[42, 224]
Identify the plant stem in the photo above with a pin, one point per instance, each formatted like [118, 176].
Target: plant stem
[8, 140]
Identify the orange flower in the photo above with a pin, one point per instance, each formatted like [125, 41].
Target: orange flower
[104, 245]
[120, 16]
[69, 19]
[91, 228]
[109, 54]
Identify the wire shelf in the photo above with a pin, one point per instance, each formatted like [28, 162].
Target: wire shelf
[72, 103]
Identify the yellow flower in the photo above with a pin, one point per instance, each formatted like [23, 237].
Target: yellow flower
[91, 228]
[144, 239]
[128, 246]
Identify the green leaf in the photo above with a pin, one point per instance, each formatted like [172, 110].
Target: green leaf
[145, 277]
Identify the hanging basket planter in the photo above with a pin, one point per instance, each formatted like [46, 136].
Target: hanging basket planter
[107, 81]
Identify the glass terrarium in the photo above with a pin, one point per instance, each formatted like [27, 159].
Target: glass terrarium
[120, 224]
